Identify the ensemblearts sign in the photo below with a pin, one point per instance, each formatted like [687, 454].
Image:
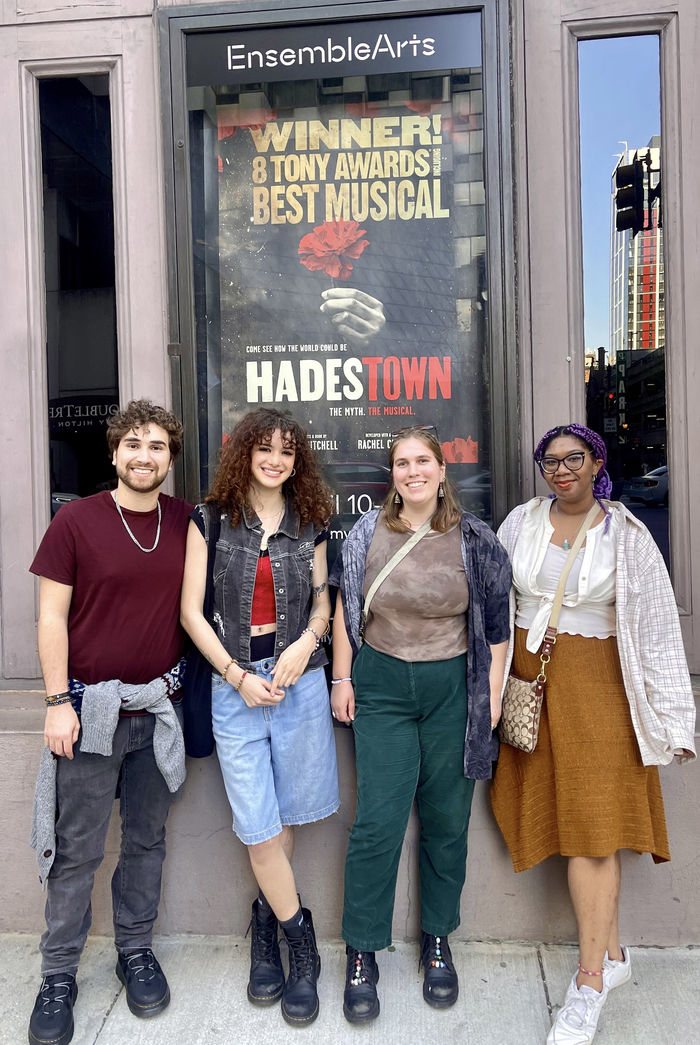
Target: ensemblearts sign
[336, 49]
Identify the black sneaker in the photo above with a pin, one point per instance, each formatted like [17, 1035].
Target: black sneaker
[299, 998]
[51, 1022]
[360, 1001]
[147, 991]
[266, 981]
[440, 984]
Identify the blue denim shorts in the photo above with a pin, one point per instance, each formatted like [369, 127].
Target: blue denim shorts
[278, 762]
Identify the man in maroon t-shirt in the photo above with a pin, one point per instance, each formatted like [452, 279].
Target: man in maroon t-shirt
[110, 569]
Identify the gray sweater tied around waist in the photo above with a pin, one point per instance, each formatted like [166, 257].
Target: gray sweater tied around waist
[100, 715]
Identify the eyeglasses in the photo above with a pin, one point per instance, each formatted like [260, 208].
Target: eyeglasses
[401, 432]
[574, 462]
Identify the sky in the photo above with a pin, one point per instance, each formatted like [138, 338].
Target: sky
[619, 101]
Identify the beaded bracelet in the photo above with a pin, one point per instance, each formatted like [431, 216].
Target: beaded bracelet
[224, 673]
[310, 631]
[589, 972]
[240, 682]
[334, 682]
[55, 699]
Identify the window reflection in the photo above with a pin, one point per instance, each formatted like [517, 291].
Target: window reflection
[624, 303]
[81, 326]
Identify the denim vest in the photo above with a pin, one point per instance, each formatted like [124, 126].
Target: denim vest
[291, 559]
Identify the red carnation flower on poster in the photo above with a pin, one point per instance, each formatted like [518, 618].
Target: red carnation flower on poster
[332, 247]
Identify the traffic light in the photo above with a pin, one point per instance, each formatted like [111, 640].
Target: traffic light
[629, 198]
[656, 197]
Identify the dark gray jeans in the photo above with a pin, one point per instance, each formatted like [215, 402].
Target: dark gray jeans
[85, 790]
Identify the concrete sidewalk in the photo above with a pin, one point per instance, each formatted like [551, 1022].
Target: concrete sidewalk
[507, 995]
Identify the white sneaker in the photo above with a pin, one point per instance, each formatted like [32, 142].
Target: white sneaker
[576, 1021]
[616, 972]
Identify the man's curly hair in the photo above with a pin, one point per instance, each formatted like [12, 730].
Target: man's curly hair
[140, 413]
[306, 489]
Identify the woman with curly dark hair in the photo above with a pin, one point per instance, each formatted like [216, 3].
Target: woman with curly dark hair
[270, 707]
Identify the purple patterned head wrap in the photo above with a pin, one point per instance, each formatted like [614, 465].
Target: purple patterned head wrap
[603, 484]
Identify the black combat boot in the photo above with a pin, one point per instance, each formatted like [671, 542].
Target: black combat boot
[52, 1019]
[299, 998]
[147, 991]
[360, 1001]
[266, 981]
[440, 984]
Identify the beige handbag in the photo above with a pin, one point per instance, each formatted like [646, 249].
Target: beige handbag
[522, 700]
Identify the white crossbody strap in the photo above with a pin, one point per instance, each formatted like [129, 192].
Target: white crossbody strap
[389, 566]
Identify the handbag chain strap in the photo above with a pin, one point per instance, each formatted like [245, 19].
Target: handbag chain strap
[550, 635]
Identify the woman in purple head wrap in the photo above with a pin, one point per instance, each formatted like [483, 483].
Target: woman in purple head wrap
[618, 703]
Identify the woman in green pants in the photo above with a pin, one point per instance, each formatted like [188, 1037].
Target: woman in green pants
[423, 696]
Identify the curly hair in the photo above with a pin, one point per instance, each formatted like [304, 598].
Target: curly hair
[448, 510]
[140, 413]
[307, 490]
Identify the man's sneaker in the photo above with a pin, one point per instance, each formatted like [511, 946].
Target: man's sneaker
[440, 984]
[576, 1021]
[616, 972]
[51, 1022]
[299, 998]
[147, 991]
[360, 1001]
[266, 981]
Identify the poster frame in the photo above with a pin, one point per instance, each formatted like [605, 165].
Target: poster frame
[174, 26]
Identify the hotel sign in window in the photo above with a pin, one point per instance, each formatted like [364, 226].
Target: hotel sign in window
[339, 240]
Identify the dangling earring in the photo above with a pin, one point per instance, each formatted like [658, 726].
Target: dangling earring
[594, 477]
[397, 499]
[441, 490]
[292, 473]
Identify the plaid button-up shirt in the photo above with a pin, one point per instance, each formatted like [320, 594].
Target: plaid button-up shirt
[652, 657]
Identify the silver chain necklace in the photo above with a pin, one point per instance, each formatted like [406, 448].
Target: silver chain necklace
[129, 531]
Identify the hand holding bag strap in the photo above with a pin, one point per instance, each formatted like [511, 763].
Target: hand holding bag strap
[389, 566]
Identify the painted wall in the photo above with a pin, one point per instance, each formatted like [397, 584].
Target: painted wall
[208, 887]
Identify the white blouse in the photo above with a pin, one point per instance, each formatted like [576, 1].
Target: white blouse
[589, 599]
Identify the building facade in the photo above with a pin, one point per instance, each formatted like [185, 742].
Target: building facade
[637, 306]
[183, 254]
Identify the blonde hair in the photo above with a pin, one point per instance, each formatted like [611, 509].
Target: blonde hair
[448, 510]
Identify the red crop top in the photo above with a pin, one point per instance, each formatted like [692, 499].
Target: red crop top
[264, 609]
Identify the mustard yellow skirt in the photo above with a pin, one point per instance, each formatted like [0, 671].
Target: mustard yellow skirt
[583, 791]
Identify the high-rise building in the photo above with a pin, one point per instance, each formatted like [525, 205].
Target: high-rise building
[635, 397]
[637, 315]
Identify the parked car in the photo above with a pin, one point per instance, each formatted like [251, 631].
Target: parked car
[474, 492]
[651, 488]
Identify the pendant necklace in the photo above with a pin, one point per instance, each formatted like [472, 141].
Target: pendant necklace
[129, 531]
[566, 545]
[273, 529]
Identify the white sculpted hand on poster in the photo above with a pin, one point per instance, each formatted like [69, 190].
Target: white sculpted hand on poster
[351, 257]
